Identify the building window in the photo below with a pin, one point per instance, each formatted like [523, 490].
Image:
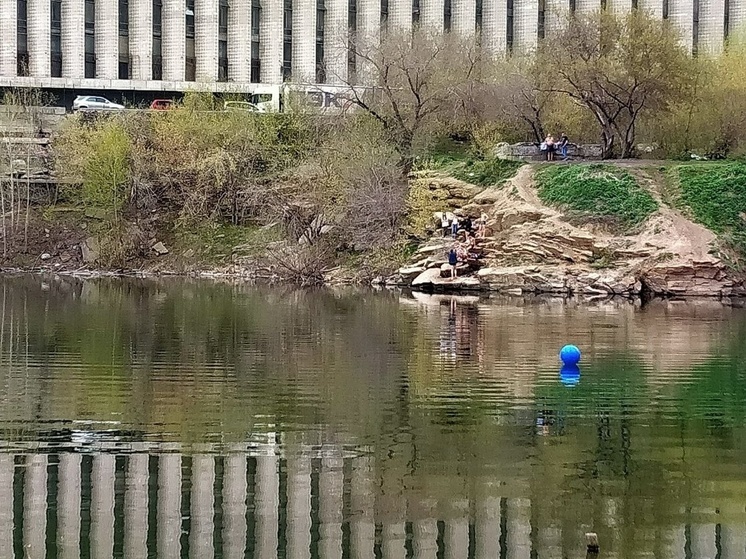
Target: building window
[542, 18]
[320, 17]
[191, 59]
[124, 43]
[256, 13]
[415, 11]
[56, 39]
[447, 15]
[572, 6]
[665, 9]
[22, 38]
[695, 29]
[223, 41]
[124, 18]
[726, 20]
[90, 43]
[157, 45]
[384, 13]
[509, 30]
[287, 46]
[479, 16]
[352, 25]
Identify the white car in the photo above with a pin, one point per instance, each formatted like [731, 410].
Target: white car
[96, 103]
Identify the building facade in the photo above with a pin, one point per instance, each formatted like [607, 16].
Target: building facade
[226, 45]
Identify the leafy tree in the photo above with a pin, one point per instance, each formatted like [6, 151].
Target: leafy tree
[619, 67]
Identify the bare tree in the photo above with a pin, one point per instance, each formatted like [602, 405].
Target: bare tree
[409, 81]
[618, 67]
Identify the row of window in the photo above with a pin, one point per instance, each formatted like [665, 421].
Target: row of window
[124, 57]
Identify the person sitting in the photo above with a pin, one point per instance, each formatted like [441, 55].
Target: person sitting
[466, 224]
[563, 144]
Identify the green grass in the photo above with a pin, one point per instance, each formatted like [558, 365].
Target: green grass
[474, 170]
[715, 194]
[216, 242]
[596, 192]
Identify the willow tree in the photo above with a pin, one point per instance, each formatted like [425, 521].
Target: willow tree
[619, 67]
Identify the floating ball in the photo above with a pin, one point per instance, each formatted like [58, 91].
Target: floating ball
[570, 375]
[570, 355]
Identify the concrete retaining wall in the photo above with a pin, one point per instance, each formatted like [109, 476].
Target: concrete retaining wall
[528, 151]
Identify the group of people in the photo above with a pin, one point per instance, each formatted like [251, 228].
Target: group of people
[465, 232]
[549, 147]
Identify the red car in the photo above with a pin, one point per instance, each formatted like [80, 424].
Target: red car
[161, 105]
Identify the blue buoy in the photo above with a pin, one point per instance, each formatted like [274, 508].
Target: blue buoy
[570, 375]
[570, 355]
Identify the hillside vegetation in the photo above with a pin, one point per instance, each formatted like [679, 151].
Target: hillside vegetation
[715, 195]
[601, 193]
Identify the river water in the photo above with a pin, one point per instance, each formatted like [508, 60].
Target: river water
[177, 419]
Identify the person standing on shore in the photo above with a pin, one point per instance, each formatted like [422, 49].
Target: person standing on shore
[563, 142]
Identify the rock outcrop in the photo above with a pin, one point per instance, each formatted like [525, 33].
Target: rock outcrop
[531, 248]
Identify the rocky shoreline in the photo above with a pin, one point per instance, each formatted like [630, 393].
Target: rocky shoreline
[534, 249]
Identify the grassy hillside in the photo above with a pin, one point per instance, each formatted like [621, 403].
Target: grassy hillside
[596, 192]
[715, 195]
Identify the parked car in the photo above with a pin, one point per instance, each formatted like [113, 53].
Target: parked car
[95, 103]
[162, 105]
[241, 106]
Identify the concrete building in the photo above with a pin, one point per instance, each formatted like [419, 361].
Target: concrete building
[163, 47]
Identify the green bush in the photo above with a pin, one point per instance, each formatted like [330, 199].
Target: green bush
[482, 172]
[107, 171]
[596, 192]
[716, 195]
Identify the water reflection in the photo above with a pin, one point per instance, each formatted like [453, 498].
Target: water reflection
[248, 520]
[182, 419]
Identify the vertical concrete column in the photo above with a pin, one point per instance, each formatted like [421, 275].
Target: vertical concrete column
[270, 41]
[107, 39]
[711, 40]
[73, 39]
[736, 18]
[9, 44]
[102, 506]
[495, 27]
[703, 543]
[456, 537]
[169, 506]
[141, 39]
[202, 507]
[336, 30]
[733, 528]
[39, 38]
[331, 482]
[525, 26]
[304, 41]
[487, 529]
[673, 542]
[267, 499]
[557, 12]
[518, 537]
[425, 532]
[653, 7]
[136, 507]
[299, 508]
[7, 467]
[239, 41]
[432, 14]
[400, 16]
[234, 506]
[368, 35]
[206, 40]
[68, 506]
[681, 16]
[393, 540]
[362, 503]
[619, 7]
[173, 40]
[464, 17]
[35, 507]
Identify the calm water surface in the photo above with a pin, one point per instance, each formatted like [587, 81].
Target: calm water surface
[183, 419]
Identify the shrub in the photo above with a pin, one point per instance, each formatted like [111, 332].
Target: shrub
[596, 191]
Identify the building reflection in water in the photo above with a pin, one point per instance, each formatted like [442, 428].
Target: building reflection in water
[235, 508]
